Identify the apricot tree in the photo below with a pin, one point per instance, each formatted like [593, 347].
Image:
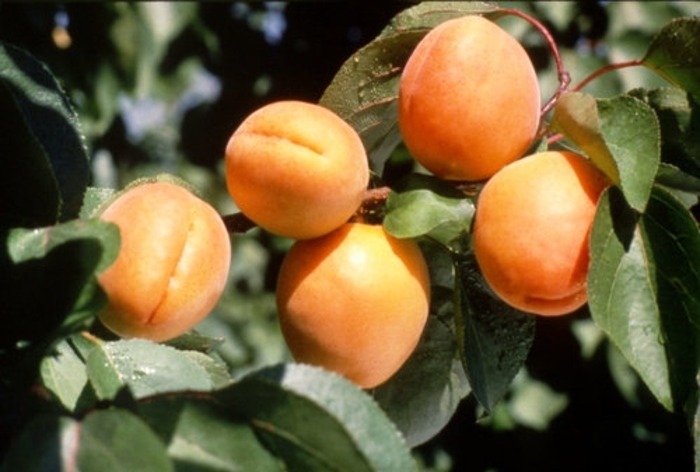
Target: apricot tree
[71, 389]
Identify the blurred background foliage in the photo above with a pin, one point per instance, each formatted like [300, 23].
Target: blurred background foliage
[160, 86]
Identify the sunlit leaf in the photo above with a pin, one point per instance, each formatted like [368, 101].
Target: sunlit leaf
[621, 135]
[145, 367]
[317, 421]
[675, 54]
[423, 205]
[643, 284]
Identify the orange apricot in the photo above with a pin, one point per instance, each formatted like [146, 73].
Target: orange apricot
[296, 169]
[531, 231]
[469, 100]
[173, 262]
[354, 301]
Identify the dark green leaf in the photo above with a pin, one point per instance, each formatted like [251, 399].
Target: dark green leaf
[364, 91]
[494, 339]
[28, 189]
[674, 54]
[672, 177]
[424, 394]
[679, 121]
[424, 205]
[203, 436]
[318, 421]
[643, 290]
[620, 135]
[49, 287]
[145, 367]
[45, 443]
[108, 441]
[43, 135]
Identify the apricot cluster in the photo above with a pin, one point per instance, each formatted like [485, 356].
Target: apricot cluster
[351, 298]
[469, 109]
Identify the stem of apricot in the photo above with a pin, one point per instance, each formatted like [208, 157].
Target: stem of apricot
[604, 69]
[562, 73]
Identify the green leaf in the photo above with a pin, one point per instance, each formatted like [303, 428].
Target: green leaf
[217, 370]
[674, 54]
[317, 421]
[423, 395]
[424, 205]
[620, 135]
[43, 444]
[202, 435]
[145, 367]
[679, 121]
[643, 290]
[63, 374]
[94, 199]
[49, 287]
[108, 441]
[46, 162]
[493, 338]
[118, 441]
[364, 91]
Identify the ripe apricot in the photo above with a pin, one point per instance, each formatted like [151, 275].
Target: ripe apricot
[172, 265]
[296, 169]
[469, 100]
[532, 227]
[354, 301]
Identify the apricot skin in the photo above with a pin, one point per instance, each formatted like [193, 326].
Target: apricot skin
[172, 266]
[354, 301]
[531, 231]
[296, 169]
[469, 100]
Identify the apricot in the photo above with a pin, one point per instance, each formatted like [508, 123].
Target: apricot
[172, 266]
[296, 169]
[354, 301]
[531, 231]
[469, 100]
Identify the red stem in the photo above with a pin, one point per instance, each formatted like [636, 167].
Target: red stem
[603, 70]
[562, 73]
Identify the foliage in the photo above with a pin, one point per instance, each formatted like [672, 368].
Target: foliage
[226, 397]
